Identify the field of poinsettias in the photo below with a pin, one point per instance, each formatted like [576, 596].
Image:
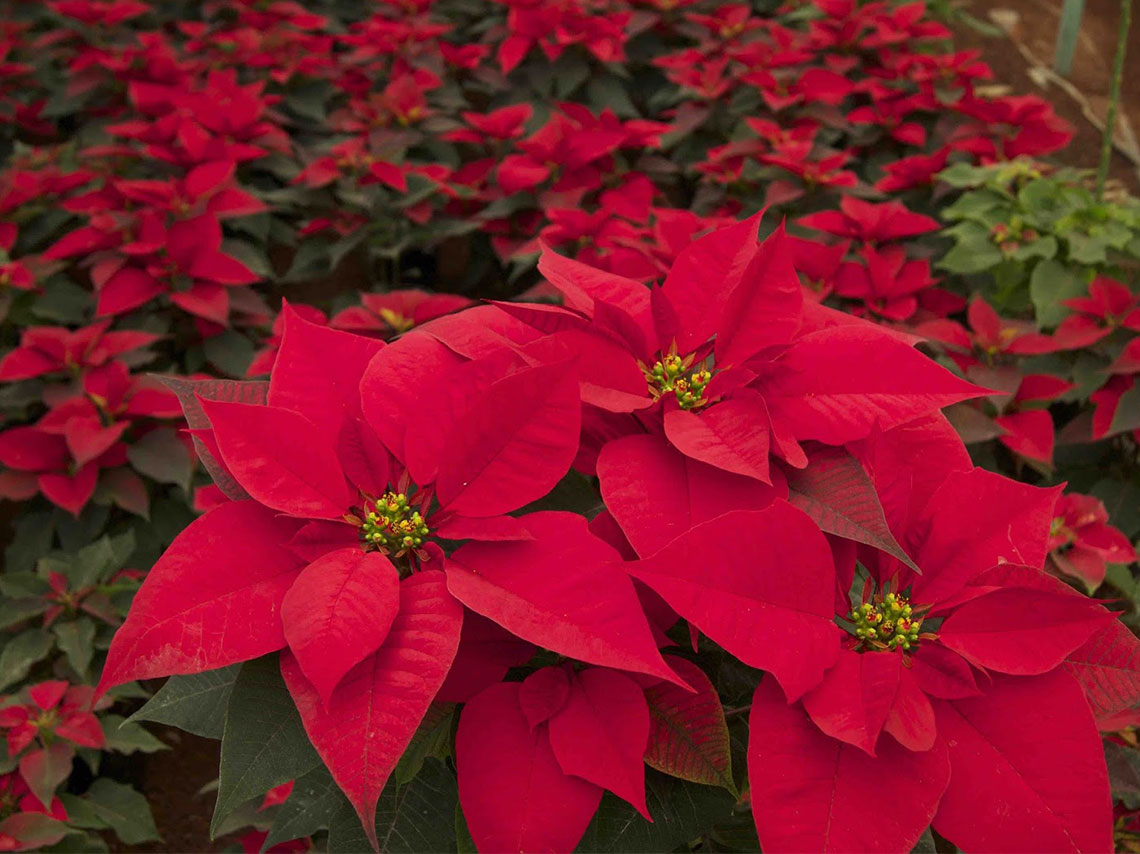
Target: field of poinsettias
[600, 425]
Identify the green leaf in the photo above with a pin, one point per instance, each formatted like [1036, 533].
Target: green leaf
[973, 205]
[13, 611]
[1050, 283]
[410, 819]
[229, 351]
[1042, 247]
[32, 539]
[80, 813]
[464, 844]
[432, 738]
[1085, 249]
[310, 807]
[125, 736]
[1122, 500]
[99, 560]
[575, 492]
[77, 640]
[21, 653]
[264, 743]
[124, 809]
[971, 255]
[161, 456]
[681, 811]
[195, 703]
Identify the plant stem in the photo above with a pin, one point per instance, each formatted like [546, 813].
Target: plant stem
[1114, 96]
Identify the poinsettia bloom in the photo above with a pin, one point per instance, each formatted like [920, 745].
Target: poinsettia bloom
[21, 813]
[41, 461]
[917, 170]
[397, 311]
[727, 360]
[560, 147]
[1025, 420]
[939, 675]
[870, 223]
[498, 125]
[352, 468]
[990, 336]
[1009, 127]
[352, 158]
[55, 708]
[53, 349]
[207, 188]
[190, 267]
[1082, 541]
[886, 282]
[1109, 305]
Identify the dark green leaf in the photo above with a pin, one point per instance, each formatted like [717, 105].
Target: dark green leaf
[21, 653]
[195, 703]
[310, 807]
[161, 456]
[124, 809]
[264, 743]
[125, 736]
[77, 640]
[681, 811]
[1050, 283]
[410, 819]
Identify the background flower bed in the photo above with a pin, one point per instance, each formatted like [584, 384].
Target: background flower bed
[173, 172]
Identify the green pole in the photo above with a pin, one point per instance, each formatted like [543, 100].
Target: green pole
[1067, 34]
[1114, 96]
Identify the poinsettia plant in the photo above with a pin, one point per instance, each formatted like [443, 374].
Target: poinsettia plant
[367, 565]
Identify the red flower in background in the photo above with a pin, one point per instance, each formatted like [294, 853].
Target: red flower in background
[1082, 541]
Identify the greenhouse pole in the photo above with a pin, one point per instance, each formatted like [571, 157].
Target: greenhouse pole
[1114, 96]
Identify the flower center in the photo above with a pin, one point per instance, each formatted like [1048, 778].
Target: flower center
[674, 374]
[392, 525]
[887, 623]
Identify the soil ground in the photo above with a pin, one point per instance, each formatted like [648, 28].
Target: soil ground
[172, 779]
[1032, 26]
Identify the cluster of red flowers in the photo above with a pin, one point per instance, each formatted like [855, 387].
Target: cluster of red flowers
[775, 474]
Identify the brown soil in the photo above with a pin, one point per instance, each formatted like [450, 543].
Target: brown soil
[172, 782]
[1027, 67]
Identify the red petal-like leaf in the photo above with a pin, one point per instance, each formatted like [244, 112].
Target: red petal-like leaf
[688, 735]
[601, 733]
[854, 699]
[978, 518]
[281, 459]
[514, 794]
[543, 694]
[211, 600]
[730, 577]
[318, 371]
[565, 590]
[764, 310]
[705, 273]
[338, 612]
[656, 493]
[1022, 631]
[811, 792]
[835, 385]
[377, 707]
[513, 444]
[731, 435]
[1028, 770]
[835, 491]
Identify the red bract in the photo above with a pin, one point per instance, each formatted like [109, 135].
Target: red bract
[870, 223]
[54, 349]
[395, 312]
[348, 465]
[924, 662]
[1082, 542]
[727, 360]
